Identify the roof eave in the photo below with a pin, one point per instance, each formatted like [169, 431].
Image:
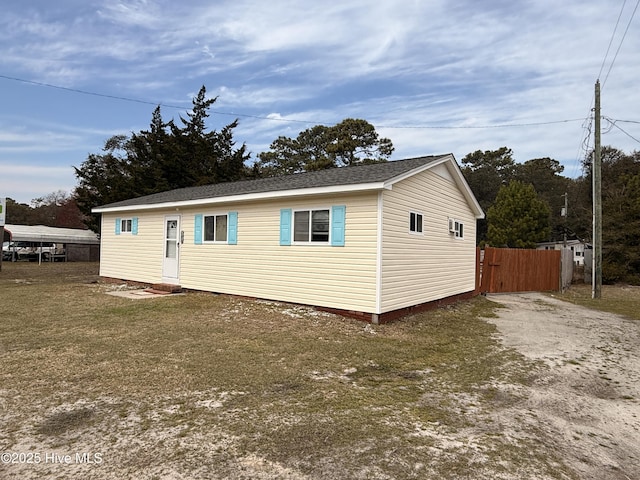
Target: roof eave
[445, 158]
[248, 197]
[458, 177]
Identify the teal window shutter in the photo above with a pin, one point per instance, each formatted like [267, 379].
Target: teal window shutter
[338, 217]
[197, 229]
[118, 222]
[232, 227]
[134, 226]
[285, 226]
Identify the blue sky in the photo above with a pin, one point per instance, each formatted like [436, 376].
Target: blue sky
[430, 75]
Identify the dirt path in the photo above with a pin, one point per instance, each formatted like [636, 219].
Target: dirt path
[588, 401]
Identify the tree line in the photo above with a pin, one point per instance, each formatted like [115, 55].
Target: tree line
[522, 201]
[523, 204]
[57, 209]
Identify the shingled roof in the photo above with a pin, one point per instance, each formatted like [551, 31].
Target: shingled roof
[334, 177]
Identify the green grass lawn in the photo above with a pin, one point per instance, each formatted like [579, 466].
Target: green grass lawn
[208, 386]
[620, 299]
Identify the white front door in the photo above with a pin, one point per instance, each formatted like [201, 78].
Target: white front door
[171, 261]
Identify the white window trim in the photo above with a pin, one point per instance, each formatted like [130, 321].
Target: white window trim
[293, 226]
[412, 232]
[123, 222]
[204, 221]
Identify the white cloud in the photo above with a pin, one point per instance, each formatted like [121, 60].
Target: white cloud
[457, 63]
[23, 183]
[137, 13]
[34, 170]
[19, 140]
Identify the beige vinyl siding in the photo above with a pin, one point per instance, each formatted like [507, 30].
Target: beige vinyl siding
[419, 268]
[133, 257]
[258, 266]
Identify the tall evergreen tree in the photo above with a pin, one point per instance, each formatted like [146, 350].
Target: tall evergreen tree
[351, 142]
[355, 141]
[205, 157]
[104, 178]
[486, 172]
[162, 158]
[518, 218]
[149, 156]
[545, 176]
[621, 232]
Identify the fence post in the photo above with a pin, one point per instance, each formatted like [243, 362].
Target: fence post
[478, 272]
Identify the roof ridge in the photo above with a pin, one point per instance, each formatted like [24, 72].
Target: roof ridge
[337, 176]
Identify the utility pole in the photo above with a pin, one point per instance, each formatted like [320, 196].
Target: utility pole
[596, 291]
[564, 214]
[563, 258]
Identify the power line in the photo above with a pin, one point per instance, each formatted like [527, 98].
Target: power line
[137, 100]
[621, 41]
[628, 121]
[291, 120]
[615, 29]
[464, 127]
[85, 92]
[613, 123]
[585, 142]
[584, 147]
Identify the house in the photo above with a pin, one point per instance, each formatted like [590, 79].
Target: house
[371, 241]
[578, 248]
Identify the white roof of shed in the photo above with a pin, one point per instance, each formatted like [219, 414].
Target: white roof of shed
[40, 233]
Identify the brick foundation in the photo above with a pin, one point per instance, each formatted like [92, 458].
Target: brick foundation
[382, 318]
[131, 283]
[388, 317]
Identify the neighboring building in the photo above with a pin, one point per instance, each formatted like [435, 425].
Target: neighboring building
[576, 246]
[371, 241]
[39, 242]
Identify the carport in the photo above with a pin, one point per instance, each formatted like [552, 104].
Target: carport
[79, 245]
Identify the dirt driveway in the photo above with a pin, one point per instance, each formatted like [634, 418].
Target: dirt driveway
[588, 401]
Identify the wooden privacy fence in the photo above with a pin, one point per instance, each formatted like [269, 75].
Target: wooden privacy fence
[519, 270]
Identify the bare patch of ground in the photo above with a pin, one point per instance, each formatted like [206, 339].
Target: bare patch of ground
[587, 399]
[201, 386]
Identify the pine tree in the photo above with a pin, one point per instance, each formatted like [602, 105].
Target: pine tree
[162, 158]
[349, 143]
[485, 173]
[518, 218]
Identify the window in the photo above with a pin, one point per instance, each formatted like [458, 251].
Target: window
[125, 225]
[221, 228]
[215, 228]
[415, 222]
[311, 226]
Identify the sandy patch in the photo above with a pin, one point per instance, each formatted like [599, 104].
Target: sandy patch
[587, 399]
[141, 294]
